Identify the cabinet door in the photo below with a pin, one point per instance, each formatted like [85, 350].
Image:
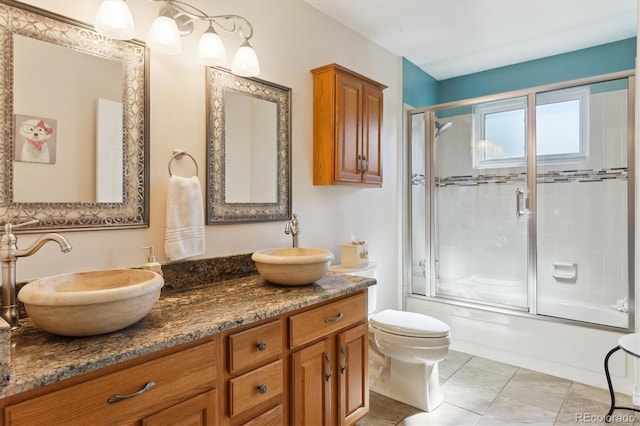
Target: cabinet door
[197, 411]
[353, 363]
[312, 378]
[371, 139]
[348, 149]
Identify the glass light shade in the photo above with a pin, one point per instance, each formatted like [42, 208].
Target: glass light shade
[245, 63]
[211, 51]
[164, 36]
[114, 20]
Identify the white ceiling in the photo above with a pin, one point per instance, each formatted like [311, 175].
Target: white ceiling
[448, 38]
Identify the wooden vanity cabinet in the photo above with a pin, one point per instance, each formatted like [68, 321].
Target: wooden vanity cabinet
[312, 362]
[347, 127]
[329, 363]
[254, 374]
[184, 392]
[307, 367]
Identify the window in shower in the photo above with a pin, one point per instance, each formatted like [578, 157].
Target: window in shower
[562, 131]
[550, 235]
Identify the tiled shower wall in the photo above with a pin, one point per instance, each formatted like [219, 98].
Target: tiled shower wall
[582, 212]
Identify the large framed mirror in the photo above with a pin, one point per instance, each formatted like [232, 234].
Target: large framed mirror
[74, 124]
[248, 149]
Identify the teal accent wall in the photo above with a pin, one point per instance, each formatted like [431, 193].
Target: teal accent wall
[418, 88]
[603, 59]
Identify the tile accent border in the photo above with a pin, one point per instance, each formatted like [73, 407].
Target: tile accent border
[564, 176]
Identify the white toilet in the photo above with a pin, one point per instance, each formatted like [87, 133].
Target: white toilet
[404, 351]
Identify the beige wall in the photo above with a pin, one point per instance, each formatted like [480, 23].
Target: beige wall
[290, 39]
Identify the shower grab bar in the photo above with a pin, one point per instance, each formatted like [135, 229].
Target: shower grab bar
[519, 202]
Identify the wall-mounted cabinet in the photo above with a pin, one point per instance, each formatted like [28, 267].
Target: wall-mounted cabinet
[347, 128]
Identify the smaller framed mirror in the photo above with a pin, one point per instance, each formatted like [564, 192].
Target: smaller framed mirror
[248, 149]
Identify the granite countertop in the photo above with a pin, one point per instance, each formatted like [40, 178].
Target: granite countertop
[180, 316]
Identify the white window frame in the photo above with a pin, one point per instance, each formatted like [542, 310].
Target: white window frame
[479, 145]
[556, 96]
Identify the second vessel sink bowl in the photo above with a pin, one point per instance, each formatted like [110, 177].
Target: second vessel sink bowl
[292, 265]
[90, 303]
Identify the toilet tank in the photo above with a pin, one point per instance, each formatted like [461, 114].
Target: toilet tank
[369, 271]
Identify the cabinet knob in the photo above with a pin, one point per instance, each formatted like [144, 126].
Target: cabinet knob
[262, 389]
[262, 346]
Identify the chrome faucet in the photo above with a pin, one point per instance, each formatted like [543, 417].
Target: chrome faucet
[292, 228]
[9, 253]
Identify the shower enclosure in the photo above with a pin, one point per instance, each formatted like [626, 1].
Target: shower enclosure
[525, 202]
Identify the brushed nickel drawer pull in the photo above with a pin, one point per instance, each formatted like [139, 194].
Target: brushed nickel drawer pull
[262, 389]
[146, 388]
[262, 346]
[333, 319]
[330, 373]
[343, 351]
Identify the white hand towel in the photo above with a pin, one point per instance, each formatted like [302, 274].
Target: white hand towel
[184, 233]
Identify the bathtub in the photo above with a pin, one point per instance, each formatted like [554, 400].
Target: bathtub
[587, 312]
[484, 289]
[513, 293]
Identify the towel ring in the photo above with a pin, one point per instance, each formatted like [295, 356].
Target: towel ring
[178, 154]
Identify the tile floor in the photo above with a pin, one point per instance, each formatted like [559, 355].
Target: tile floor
[478, 391]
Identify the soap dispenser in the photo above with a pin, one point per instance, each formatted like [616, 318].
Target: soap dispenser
[152, 263]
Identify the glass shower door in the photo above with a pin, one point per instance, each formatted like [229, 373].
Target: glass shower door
[583, 198]
[480, 234]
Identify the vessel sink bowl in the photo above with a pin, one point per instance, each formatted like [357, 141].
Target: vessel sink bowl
[90, 303]
[292, 265]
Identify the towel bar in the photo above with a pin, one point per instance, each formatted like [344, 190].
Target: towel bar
[178, 154]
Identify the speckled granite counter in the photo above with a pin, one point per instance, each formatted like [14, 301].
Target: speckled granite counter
[39, 358]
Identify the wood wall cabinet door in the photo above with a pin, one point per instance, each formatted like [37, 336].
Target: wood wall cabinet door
[347, 123]
[312, 380]
[372, 135]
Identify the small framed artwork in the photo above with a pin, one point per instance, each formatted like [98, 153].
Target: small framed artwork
[34, 139]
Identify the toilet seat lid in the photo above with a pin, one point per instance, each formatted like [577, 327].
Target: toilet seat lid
[409, 324]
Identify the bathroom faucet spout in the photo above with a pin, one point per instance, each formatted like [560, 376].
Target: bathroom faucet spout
[64, 244]
[292, 228]
[9, 253]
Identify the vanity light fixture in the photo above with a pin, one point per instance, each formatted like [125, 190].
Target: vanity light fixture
[114, 20]
[177, 18]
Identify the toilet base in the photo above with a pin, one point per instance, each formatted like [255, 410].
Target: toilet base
[417, 385]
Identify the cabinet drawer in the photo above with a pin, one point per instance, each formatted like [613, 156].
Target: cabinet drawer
[273, 417]
[318, 322]
[177, 377]
[254, 387]
[253, 346]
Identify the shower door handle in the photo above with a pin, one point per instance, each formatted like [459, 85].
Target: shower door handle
[519, 202]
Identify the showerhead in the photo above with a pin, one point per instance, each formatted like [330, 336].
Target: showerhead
[442, 127]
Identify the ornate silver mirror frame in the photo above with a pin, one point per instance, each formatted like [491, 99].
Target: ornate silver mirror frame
[133, 211]
[219, 209]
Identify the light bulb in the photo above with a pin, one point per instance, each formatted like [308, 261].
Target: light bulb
[211, 51]
[114, 20]
[164, 36]
[245, 62]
